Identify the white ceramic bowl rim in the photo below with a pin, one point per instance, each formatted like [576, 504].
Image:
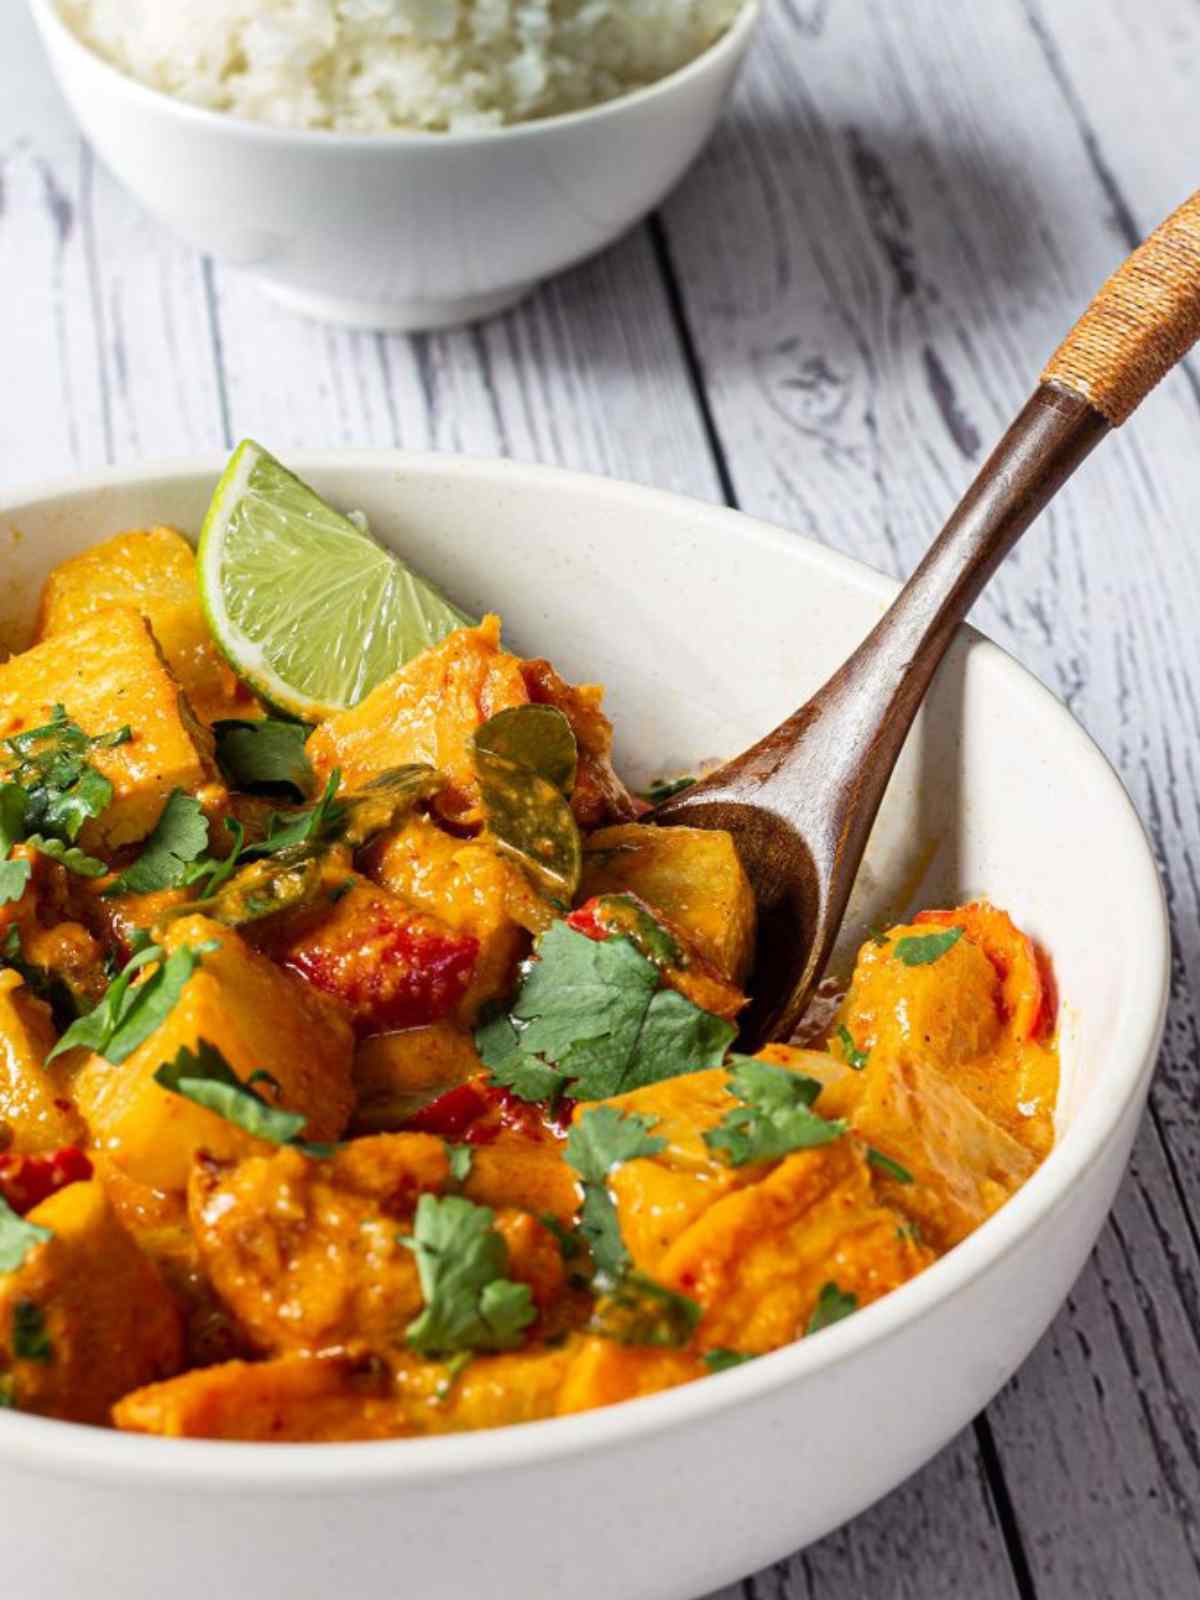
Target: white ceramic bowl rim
[730, 43]
[42, 1445]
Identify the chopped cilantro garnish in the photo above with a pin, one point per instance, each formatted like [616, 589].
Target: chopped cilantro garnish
[17, 1237]
[459, 1157]
[590, 1018]
[8, 1392]
[63, 790]
[832, 1305]
[886, 1164]
[265, 757]
[30, 1341]
[923, 949]
[854, 1057]
[14, 875]
[878, 934]
[722, 1360]
[129, 1013]
[455, 1367]
[911, 1231]
[634, 1309]
[469, 1302]
[600, 1140]
[775, 1116]
[205, 1077]
[173, 853]
[568, 1240]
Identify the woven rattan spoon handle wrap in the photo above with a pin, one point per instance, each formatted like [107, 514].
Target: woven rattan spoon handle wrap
[1144, 320]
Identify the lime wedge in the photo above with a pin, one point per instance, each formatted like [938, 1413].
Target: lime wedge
[305, 605]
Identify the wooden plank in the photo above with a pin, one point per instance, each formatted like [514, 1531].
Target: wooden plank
[55, 419]
[586, 374]
[875, 258]
[936, 1538]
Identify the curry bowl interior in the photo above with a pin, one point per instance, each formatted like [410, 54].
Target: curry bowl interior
[707, 628]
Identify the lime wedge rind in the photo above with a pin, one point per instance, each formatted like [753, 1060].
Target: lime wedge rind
[304, 603]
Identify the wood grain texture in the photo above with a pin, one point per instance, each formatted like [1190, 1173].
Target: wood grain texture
[833, 320]
[908, 238]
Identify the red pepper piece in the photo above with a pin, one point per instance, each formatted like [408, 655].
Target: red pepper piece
[25, 1181]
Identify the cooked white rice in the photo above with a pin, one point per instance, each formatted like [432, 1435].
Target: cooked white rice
[369, 66]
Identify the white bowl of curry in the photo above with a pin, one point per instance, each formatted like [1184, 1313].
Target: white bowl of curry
[518, 1299]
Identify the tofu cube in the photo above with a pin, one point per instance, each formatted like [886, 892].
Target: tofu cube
[108, 672]
[33, 1106]
[86, 1317]
[260, 1019]
[154, 571]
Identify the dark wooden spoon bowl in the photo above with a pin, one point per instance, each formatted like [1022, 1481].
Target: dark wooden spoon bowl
[800, 803]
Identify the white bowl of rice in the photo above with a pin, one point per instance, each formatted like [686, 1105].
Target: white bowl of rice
[398, 163]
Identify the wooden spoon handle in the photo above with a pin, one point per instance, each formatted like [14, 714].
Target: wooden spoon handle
[1144, 320]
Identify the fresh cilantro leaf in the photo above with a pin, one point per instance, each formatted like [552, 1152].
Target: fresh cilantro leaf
[319, 825]
[179, 838]
[665, 789]
[461, 1262]
[832, 1305]
[67, 855]
[775, 1116]
[600, 1140]
[723, 1360]
[14, 807]
[129, 1013]
[48, 985]
[568, 1242]
[14, 878]
[923, 949]
[17, 1237]
[594, 1011]
[205, 1077]
[886, 1164]
[459, 1157]
[634, 1309]
[63, 790]
[498, 1041]
[218, 873]
[265, 756]
[30, 1341]
[855, 1057]
[8, 1392]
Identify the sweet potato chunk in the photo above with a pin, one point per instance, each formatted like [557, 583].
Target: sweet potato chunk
[295, 1399]
[85, 1318]
[426, 712]
[692, 875]
[33, 1105]
[154, 571]
[757, 1259]
[305, 1253]
[473, 889]
[958, 1014]
[963, 1165]
[491, 1391]
[602, 1373]
[108, 672]
[261, 1019]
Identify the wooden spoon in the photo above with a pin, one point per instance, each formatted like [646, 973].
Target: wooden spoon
[800, 803]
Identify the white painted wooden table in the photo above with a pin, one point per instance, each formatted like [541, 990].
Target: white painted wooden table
[828, 325]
